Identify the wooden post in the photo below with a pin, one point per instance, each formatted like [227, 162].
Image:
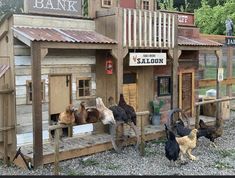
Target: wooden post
[197, 116]
[56, 163]
[36, 104]
[229, 69]
[218, 86]
[5, 125]
[175, 54]
[142, 151]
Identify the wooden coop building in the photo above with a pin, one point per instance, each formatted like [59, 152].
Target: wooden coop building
[54, 58]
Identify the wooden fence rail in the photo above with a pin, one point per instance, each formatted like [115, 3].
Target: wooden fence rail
[198, 104]
[61, 126]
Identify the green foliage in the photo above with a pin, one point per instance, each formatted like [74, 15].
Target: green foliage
[10, 6]
[167, 5]
[89, 162]
[222, 165]
[211, 20]
[85, 7]
[156, 107]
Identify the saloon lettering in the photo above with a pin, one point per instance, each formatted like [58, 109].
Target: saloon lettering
[63, 5]
[149, 61]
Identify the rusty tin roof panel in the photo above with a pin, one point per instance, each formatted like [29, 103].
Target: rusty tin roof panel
[185, 41]
[62, 35]
[3, 69]
[88, 36]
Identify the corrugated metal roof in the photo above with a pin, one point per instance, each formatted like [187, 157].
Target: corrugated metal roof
[62, 35]
[185, 41]
[3, 69]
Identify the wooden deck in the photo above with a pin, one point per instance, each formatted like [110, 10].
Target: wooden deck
[83, 145]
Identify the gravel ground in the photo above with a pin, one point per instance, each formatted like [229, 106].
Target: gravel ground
[212, 161]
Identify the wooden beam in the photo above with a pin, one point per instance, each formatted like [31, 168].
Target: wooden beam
[212, 82]
[198, 48]
[37, 104]
[60, 45]
[3, 34]
[25, 39]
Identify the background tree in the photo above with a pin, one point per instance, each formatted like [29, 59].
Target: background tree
[211, 20]
[10, 6]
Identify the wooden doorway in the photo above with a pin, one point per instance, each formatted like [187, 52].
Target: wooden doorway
[130, 89]
[60, 89]
[186, 92]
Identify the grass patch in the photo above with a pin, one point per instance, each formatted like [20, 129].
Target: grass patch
[158, 141]
[227, 153]
[113, 166]
[222, 165]
[89, 162]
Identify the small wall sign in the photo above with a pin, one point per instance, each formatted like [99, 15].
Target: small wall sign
[220, 74]
[147, 59]
[54, 7]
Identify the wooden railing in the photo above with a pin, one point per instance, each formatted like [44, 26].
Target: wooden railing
[212, 82]
[198, 104]
[143, 28]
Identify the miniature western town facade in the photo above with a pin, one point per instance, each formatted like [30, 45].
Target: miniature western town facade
[56, 56]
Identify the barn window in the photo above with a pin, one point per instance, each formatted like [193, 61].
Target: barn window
[106, 3]
[164, 86]
[29, 88]
[146, 5]
[83, 87]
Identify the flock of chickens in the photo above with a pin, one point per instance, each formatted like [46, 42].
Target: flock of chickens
[116, 112]
[181, 142]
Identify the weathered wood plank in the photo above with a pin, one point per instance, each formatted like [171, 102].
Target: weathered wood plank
[212, 82]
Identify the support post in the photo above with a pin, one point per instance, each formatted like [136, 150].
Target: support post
[37, 56]
[56, 163]
[229, 70]
[142, 151]
[218, 54]
[5, 125]
[197, 116]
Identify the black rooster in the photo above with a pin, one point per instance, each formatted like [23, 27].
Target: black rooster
[118, 112]
[210, 132]
[130, 111]
[172, 148]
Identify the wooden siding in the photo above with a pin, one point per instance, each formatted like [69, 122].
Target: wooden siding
[57, 62]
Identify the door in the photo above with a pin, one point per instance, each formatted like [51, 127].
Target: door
[130, 89]
[186, 92]
[59, 93]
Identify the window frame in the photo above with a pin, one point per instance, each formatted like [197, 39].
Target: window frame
[159, 85]
[105, 5]
[28, 101]
[143, 4]
[77, 87]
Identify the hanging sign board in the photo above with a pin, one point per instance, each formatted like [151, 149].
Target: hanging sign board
[147, 59]
[54, 7]
[220, 74]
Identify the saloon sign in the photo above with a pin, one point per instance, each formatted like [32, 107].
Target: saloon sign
[147, 59]
[54, 7]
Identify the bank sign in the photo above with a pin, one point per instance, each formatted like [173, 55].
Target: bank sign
[54, 7]
[147, 59]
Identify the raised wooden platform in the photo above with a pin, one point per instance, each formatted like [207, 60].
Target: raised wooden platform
[77, 146]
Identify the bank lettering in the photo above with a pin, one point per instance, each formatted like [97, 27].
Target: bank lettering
[64, 5]
[55, 7]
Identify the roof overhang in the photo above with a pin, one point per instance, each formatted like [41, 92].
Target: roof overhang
[63, 38]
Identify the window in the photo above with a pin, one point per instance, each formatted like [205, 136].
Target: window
[106, 3]
[164, 86]
[29, 88]
[83, 87]
[146, 5]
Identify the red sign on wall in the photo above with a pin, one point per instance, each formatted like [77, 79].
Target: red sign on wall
[186, 19]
